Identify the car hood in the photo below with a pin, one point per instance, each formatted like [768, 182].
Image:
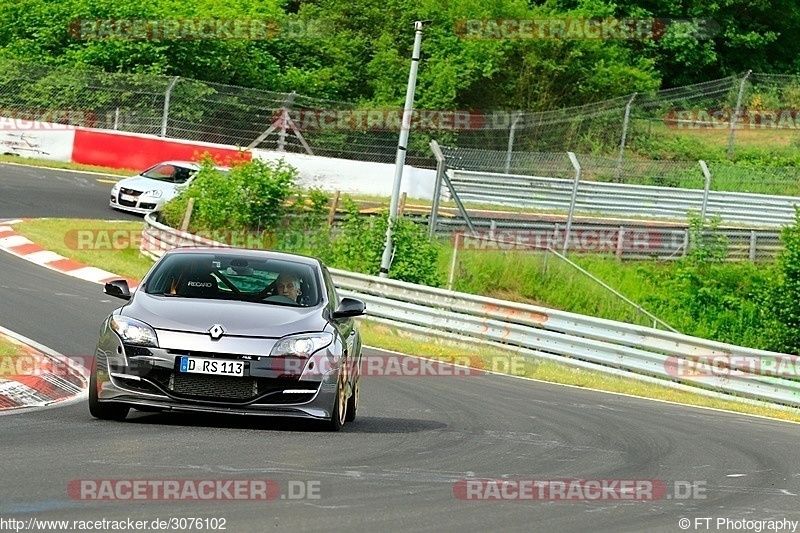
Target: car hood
[245, 319]
[140, 183]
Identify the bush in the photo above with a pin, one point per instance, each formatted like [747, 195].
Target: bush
[360, 244]
[786, 295]
[254, 195]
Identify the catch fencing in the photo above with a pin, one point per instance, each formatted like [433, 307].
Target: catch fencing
[737, 111]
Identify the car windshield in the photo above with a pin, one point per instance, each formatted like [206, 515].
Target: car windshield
[231, 277]
[169, 173]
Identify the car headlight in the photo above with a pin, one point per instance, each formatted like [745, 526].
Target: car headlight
[154, 193]
[302, 345]
[133, 331]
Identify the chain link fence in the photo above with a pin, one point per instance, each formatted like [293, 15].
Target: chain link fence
[751, 110]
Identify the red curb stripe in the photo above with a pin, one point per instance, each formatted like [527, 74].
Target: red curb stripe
[65, 265]
[8, 403]
[41, 385]
[25, 249]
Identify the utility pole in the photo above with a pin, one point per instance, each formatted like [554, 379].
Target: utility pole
[386, 259]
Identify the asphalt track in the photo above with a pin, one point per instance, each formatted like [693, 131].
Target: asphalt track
[395, 467]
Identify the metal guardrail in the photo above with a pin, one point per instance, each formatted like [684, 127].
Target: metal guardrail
[618, 345]
[568, 337]
[618, 199]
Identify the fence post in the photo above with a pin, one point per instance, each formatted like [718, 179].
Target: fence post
[736, 114]
[441, 167]
[511, 141]
[287, 105]
[706, 188]
[453, 262]
[625, 122]
[620, 237]
[166, 106]
[577, 166]
[753, 246]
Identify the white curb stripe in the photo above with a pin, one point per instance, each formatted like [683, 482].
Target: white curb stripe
[91, 274]
[45, 256]
[14, 240]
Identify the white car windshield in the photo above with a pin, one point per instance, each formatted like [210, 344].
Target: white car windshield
[169, 173]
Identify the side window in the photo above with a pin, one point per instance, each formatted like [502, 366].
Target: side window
[333, 296]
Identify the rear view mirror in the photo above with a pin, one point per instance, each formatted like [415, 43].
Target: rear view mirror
[118, 288]
[349, 307]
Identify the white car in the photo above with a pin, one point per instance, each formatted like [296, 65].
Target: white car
[154, 187]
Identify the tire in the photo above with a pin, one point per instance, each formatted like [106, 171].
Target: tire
[103, 411]
[339, 411]
[352, 401]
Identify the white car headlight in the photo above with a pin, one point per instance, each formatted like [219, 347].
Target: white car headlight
[115, 187]
[302, 345]
[155, 193]
[133, 331]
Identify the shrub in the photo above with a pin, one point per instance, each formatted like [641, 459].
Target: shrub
[254, 195]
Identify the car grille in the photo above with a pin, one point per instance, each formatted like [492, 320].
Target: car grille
[207, 386]
[131, 192]
[229, 388]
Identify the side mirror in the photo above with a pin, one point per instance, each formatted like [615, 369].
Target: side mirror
[349, 307]
[118, 288]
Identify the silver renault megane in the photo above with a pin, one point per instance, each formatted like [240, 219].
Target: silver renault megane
[225, 330]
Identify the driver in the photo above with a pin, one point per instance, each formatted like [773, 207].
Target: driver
[288, 285]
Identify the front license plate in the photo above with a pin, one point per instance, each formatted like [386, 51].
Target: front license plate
[127, 197]
[197, 365]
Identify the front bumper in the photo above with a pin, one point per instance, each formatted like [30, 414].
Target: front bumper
[133, 201]
[150, 378]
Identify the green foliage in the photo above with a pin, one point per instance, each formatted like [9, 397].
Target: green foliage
[360, 243]
[786, 295]
[252, 195]
[706, 243]
[258, 199]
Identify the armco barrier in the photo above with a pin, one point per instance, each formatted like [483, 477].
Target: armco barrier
[568, 337]
[619, 199]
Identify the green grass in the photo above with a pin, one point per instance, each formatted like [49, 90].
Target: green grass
[110, 245]
[8, 348]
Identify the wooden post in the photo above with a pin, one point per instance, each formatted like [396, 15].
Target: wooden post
[188, 215]
[402, 205]
[620, 241]
[334, 207]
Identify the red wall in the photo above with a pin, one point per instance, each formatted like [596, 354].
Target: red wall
[124, 150]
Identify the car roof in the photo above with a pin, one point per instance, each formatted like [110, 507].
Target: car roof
[187, 164]
[248, 252]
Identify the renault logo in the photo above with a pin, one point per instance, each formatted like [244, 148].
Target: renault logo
[216, 331]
